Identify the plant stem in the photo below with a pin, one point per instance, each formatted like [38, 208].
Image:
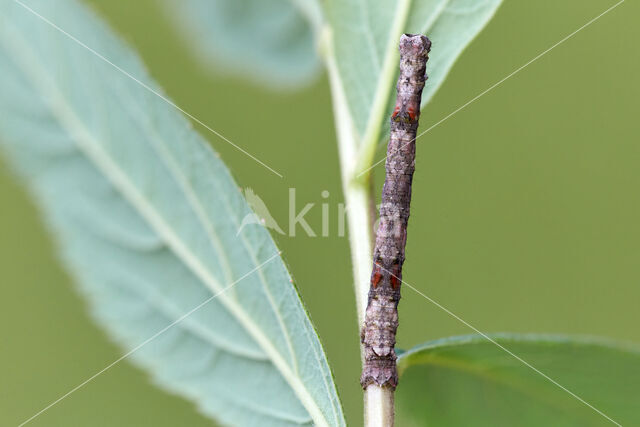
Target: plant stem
[356, 192]
[378, 397]
[378, 406]
[357, 199]
[379, 373]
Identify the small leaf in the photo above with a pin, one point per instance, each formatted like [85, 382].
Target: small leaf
[470, 381]
[365, 47]
[147, 219]
[269, 41]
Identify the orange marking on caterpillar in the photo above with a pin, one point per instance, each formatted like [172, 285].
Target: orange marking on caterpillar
[411, 110]
[394, 276]
[396, 110]
[395, 281]
[376, 277]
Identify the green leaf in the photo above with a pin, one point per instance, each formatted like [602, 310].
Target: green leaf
[365, 35]
[270, 41]
[147, 219]
[470, 381]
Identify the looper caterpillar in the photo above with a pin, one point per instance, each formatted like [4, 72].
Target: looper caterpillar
[381, 318]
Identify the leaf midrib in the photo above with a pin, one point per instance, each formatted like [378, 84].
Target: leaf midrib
[172, 312]
[203, 217]
[119, 180]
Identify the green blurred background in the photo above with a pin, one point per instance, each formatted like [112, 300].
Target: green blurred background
[525, 213]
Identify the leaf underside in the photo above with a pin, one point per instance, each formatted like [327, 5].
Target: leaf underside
[366, 34]
[146, 217]
[470, 381]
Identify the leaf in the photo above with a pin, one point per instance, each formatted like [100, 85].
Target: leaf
[269, 41]
[147, 218]
[468, 380]
[365, 50]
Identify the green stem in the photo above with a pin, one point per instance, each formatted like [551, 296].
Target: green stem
[358, 201]
[356, 191]
[378, 401]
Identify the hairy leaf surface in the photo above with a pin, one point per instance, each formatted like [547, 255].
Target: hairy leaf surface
[469, 380]
[147, 218]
